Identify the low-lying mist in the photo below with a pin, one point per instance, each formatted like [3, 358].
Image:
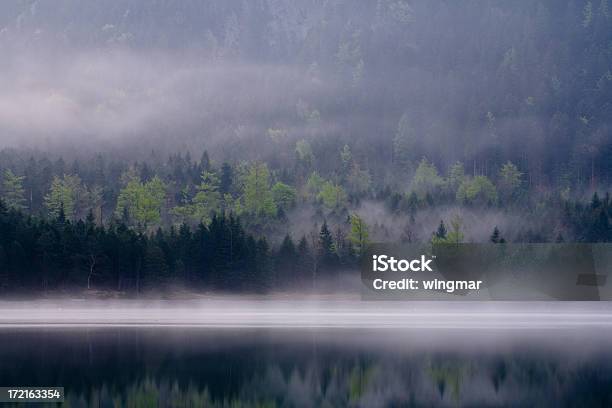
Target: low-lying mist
[113, 96]
[305, 311]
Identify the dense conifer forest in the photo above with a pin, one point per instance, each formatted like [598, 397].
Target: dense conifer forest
[230, 229]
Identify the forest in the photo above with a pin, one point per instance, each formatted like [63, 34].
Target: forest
[245, 146]
[229, 228]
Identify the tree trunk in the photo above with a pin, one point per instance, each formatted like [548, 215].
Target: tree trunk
[92, 266]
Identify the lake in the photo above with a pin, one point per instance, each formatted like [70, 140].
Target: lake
[266, 365]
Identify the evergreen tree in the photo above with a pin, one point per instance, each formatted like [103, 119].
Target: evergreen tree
[156, 268]
[495, 236]
[226, 178]
[204, 162]
[327, 255]
[304, 262]
[286, 263]
[12, 191]
[439, 235]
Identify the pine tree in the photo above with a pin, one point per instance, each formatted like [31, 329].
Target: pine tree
[441, 231]
[204, 162]
[12, 191]
[595, 201]
[327, 255]
[304, 261]
[285, 262]
[156, 267]
[495, 236]
[226, 178]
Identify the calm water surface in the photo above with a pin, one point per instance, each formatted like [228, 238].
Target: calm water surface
[323, 367]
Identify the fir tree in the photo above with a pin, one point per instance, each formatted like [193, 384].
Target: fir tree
[327, 255]
[495, 236]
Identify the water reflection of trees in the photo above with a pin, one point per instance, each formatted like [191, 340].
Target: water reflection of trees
[369, 382]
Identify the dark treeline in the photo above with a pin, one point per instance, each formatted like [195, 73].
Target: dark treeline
[52, 255]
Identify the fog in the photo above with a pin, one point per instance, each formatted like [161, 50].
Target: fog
[101, 97]
[306, 312]
[182, 76]
[477, 223]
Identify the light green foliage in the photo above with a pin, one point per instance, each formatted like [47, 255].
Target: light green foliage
[151, 203]
[206, 201]
[509, 178]
[241, 171]
[477, 190]
[403, 143]
[96, 201]
[426, 178]
[284, 195]
[67, 193]
[304, 151]
[277, 135]
[359, 236]
[230, 205]
[129, 196]
[456, 175]
[332, 195]
[13, 193]
[314, 185]
[455, 236]
[143, 202]
[183, 214]
[207, 198]
[258, 198]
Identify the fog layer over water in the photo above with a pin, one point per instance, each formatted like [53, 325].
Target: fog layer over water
[313, 312]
